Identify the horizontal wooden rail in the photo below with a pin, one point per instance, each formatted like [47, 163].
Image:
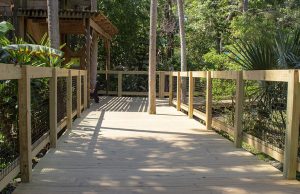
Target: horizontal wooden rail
[24, 74]
[287, 156]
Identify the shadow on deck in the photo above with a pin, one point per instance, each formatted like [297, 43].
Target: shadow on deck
[116, 147]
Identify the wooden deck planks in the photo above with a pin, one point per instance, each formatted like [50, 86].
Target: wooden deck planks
[116, 148]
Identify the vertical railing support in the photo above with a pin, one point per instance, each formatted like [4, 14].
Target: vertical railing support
[120, 83]
[24, 105]
[191, 95]
[238, 118]
[53, 109]
[161, 84]
[85, 93]
[69, 100]
[170, 88]
[78, 94]
[178, 91]
[292, 131]
[208, 101]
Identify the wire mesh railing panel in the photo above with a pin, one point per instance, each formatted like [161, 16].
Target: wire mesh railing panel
[9, 131]
[61, 98]
[82, 90]
[74, 93]
[200, 94]
[135, 83]
[265, 106]
[167, 83]
[223, 100]
[39, 109]
[185, 90]
[109, 84]
[174, 88]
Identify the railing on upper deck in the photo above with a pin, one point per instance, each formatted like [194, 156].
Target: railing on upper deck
[43, 102]
[261, 108]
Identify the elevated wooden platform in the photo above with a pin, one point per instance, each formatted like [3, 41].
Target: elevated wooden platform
[117, 148]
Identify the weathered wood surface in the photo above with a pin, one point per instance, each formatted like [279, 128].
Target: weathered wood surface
[116, 147]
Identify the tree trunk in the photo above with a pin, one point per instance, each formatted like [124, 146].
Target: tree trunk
[182, 46]
[152, 58]
[53, 23]
[245, 5]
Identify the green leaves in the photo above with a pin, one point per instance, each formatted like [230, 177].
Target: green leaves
[5, 27]
[33, 49]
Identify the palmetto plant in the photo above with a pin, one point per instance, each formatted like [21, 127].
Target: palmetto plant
[266, 102]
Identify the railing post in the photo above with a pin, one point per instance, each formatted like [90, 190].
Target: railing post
[24, 105]
[69, 100]
[239, 99]
[178, 91]
[292, 132]
[120, 84]
[85, 93]
[208, 100]
[161, 84]
[78, 86]
[191, 95]
[53, 109]
[170, 88]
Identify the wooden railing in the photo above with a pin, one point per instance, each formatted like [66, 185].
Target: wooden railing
[288, 156]
[119, 77]
[28, 150]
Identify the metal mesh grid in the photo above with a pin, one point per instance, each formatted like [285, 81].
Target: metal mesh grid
[136, 83]
[39, 109]
[167, 83]
[74, 93]
[61, 98]
[9, 138]
[82, 90]
[200, 94]
[174, 88]
[265, 106]
[112, 82]
[223, 100]
[185, 90]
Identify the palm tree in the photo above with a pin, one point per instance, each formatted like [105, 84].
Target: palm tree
[53, 23]
[182, 46]
[152, 58]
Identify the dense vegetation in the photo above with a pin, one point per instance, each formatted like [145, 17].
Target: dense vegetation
[212, 28]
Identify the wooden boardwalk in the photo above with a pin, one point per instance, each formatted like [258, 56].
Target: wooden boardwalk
[117, 148]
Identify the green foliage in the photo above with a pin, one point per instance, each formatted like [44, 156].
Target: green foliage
[216, 61]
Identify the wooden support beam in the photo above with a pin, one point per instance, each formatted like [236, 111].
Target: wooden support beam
[178, 91]
[24, 105]
[191, 95]
[292, 131]
[78, 86]
[208, 101]
[53, 109]
[120, 83]
[170, 89]
[161, 84]
[85, 91]
[239, 100]
[69, 100]
[99, 30]
[88, 59]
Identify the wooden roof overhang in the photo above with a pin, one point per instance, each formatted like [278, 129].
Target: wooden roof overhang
[70, 21]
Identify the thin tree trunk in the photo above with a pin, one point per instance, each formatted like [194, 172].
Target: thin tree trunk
[245, 5]
[53, 23]
[152, 58]
[182, 46]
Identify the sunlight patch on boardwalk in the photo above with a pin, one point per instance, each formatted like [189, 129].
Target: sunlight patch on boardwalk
[117, 148]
